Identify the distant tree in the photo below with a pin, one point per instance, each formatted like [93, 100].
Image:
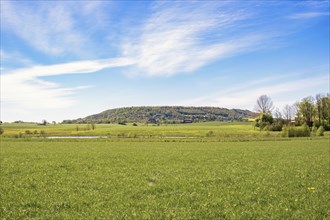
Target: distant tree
[322, 104]
[277, 114]
[325, 111]
[264, 120]
[289, 111]
[54, 122]
[306, 111]
[264, 105]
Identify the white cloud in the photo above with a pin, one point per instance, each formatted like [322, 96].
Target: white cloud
[178, 38]
[50, 27]
[308, 15]
[24, 88]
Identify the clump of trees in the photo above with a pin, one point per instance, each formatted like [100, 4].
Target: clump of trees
[265, 120]
[314, 112]
[299, 119]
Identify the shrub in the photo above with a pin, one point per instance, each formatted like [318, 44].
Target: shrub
[1, 130]
[42, 133]
[314, 129]
[302, 131]
[28, 132]
[134, 124]
[265, 127]
[210, 134]
[317, 123]
[93, 126]
[263, 120]
[320, 131]
[285, 131]
[326, 126]
[277, 126]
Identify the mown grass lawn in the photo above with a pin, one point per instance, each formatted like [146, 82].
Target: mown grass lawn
[165, 180]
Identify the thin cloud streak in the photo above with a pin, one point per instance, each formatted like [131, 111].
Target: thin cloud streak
[308, 15]
[242, 97]
[23, 87]
[78, 67]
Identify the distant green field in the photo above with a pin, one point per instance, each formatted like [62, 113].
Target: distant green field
[98, 179]
[208, 129]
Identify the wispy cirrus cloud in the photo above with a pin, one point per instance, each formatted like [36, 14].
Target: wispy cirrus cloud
[177, 38]
[243, 95]
[52, 27]
[14, 60]
[308, 15]
[24, 88]
[181, 38]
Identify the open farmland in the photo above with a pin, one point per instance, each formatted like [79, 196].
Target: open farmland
[196, 130]
[99, 179]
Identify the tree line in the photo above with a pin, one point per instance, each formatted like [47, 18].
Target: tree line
[311, 112]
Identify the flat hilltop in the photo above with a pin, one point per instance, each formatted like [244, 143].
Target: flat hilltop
[165, 114]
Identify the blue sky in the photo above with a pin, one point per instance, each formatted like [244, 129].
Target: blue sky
[69, 59]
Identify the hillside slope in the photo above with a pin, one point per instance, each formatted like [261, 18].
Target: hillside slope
[165, 114]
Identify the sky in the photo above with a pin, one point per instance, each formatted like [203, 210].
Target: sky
[70, 59]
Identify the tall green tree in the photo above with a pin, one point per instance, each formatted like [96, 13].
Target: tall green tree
[325, 111]
[306, 111]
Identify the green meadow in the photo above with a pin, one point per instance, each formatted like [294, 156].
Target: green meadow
[196, 130]
[129, 178]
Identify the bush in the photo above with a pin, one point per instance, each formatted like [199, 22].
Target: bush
[320, 131]
[317, 123]
[314, 129]
[1, 130]
[19, 135]
[210, 134]
[42, 133]
[134, 124]
[264, 120]
[277, 126]
[93, 126]
[326, 126]
[302, 131]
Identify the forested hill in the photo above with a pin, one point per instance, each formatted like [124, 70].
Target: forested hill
[165, 114]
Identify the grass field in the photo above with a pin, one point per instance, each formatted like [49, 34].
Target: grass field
[99, 179]
[208, 129]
